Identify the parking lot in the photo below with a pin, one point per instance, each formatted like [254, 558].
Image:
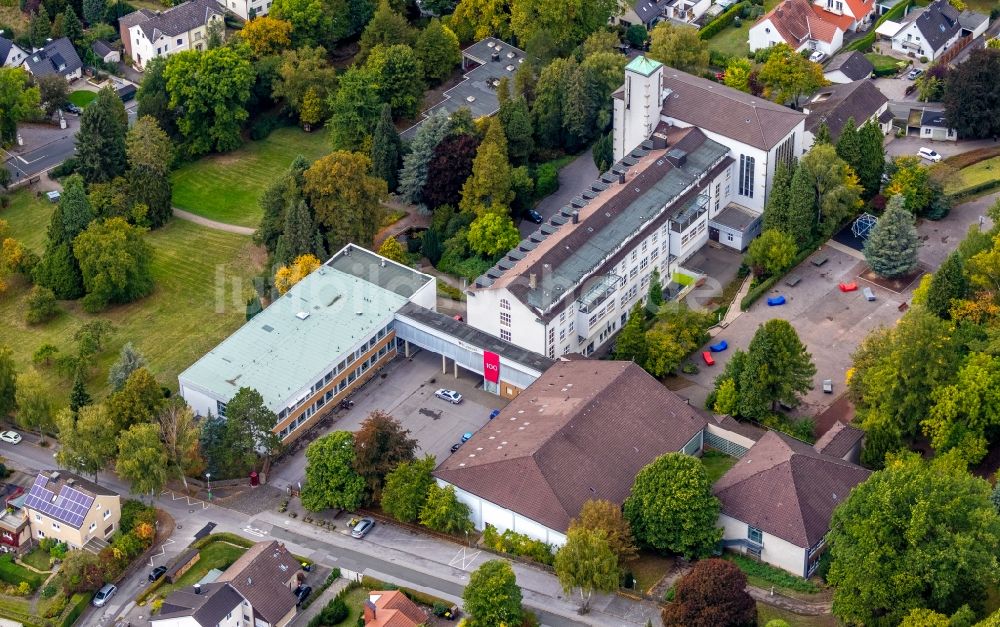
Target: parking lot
[405, 389]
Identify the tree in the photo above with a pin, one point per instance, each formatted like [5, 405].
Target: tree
[94, 11]
[948, 284]
[100, 142]
[677, 332]
[603, 152]
[115, 263]
[823, 135]
[800, 221]
[442, 511]
[631, 342]
[380, 445]
[488, 189]
[493, 234]
[53, 92]
[86, 442]
[72, 27]
[655, 297]
[34, 406]
[972, 96]
[249, 425]
[398, 77]
[153, 99]
[910, 180]
[515, 118]
[771, 253]
[776, 211]
[354, 109]
[838, 193]
[146, 145]
[712, 594]
[141, 459]
[492, 597]
[129, 360]
[312, 21]
[392, 249]
[413, 176]
[40, 27]
[18, 101]
[79, 397]
[726, 398]
[777, 369]
[150, 197]
[678, 46]
[550, 93]
[406, 488]
[438, 49]
[387, 150]
[8, 382]
[297, 240]
[737, 74]
[74, 207]
[211, 88]
[565, 23]
[967, 410]
[284, 192]
[350, 213]
[267, 35]
[331, 481]
[893, 244]
[671, 506]
[477, 19]
[606, 518]
[42, 305]
[869, 164]
[301, 70]
[587, 563]
[914, 535]
[448, 169]
[787, 75]
[180, 435]
[386, 28]
[137, 402]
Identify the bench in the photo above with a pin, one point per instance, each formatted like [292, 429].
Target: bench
[819, 261]
[793, 280]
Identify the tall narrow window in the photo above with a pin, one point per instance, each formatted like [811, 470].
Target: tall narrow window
[746, 176]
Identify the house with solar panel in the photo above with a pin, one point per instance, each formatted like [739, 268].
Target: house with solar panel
[66, 507]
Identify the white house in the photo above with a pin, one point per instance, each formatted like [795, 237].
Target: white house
[582, 431]
[148, 35]
[801, 25]
[247, 9]
[776, 503]
[834, 105]
[928, 32]
[648, 12]
[861, 12]
[56, 57]
[105, 52]
[11, 55]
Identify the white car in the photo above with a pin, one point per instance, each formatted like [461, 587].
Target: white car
[817, 56]
[449, 395]
[11, 437]
[930, 155]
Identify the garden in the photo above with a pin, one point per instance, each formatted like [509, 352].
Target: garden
[733, 40]
[218, 553]
[716, 464]
[82, 97]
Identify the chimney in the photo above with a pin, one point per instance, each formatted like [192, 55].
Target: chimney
[197, 588]
[54, 476]
[621, 178]
[532, 280]
[496, 55]
[369, 611]
[576, 217]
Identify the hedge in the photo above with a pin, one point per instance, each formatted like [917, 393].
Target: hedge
[417, 597]
[985, 186]
[723, 20]
[224, 536]
[864, 43]
[320, 619]
[14, 574]
[78, 602]
[764, 286]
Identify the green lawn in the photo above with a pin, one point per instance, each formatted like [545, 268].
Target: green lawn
[226, 187]
[716, 464]
[355, 600]
[649, 569]
[972, 175]
[767, 613]
[732, 40]
[202, 281]
[38, 558]
[883, 62]
[764, 575]
[213, 555]
[82, 97]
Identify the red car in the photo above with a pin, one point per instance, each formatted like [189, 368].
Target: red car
[720, 76]
[707, 356]
[848, 287]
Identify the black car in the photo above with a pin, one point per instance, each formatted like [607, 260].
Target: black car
[303, 592]
[72, 108]
[535, 217]
[157, 572]
[455, 447]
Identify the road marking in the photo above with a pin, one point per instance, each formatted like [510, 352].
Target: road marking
[464, 559]
[162, 552]
[183, 497]
[254, 531]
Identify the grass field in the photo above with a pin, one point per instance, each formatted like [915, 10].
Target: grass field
[213, 555]
[37, 558]
[733, 39]
[201, 280]
[649, 569]
[882, 62]
[716, 464]
[355, 601]
[767, 613]
[82, 97]
[972, 175]
[226, 187]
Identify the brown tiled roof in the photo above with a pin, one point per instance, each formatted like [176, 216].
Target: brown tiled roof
[394, 609]
[786, 488]
[582, 431]
[839, 440]
[835, 104]
[727, 111]
[842, 410]
[260, 575]
[825, 25]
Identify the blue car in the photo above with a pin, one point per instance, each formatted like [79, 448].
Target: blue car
[494, 414]
[466, 436]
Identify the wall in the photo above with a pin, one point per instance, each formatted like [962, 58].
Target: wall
[76, 538]
[776, 551]
[732, 437]
[764, 35]
[484, 512]
[483, 313]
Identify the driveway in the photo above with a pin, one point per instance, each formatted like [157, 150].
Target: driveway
[897, 146]
[895, 89]
[573, 179]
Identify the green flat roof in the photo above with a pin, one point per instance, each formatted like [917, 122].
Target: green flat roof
[283, 350]
[643, 66]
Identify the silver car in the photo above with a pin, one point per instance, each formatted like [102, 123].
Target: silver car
[106, 592]
[449, 395]
[362, 528]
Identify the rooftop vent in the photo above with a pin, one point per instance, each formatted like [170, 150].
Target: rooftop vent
[268, 328]
[70, 481]
[470, 98]
[510, 68]
[197, 588]
[54, 476]
[302, 315]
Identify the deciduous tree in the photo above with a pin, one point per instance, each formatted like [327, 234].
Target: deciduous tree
[392, 249]
[248, 427]
[515, 117]
[477, 19]
[438, 49]
[53, 92]
[972, 95]
[314, 22]
[288, 276]
[771, 253]
[492, 597]
[712, 594]
[566, 23]
[676, 333]
[549, 101]
[354, 109]
[967, 410]
[386, 28]
[948, 284]
[586, 563]
[406, 488]
[787, 75]
[631, 342]
[380, 445]
[893, 244]
[671, 506]
[911, 181]
[8, 382]
[180, 435]
[448, 169]
[267, 35]
[349, 213]
[737, 74]
[303, 69]
[838, 193]
[41, 305]
[114, 262]
[398, 78]
[679, 47]
[34, 404]
[142, 461]
[605, 517]
[492, 234]
[331, 481]
[442, 511]
[146, 145]
[137, 402]
[87, 445]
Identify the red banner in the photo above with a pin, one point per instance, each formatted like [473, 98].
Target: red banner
[491, 366]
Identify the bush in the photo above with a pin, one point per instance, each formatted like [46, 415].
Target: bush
[78, 603]
[54, 606]
[801, 428]
[546, 180]
[65, 168]
[513, 543]
[761, 288]
[335, 612]
[723, 20]
[719, 59]
[15, 574]
[772, 575]
[223, 536]
[41, 305]
[264, 125]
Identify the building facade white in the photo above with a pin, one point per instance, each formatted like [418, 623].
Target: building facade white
[149, 35]
[768, 548]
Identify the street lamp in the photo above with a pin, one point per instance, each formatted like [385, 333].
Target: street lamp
[208, 477]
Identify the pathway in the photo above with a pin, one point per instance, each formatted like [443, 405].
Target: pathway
[212, 224]
[317, 605]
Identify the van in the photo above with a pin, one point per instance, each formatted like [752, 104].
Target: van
[930, 155]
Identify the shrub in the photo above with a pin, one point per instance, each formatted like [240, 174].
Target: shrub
[772, 575]
[723, 20]
[546, 180]
[223, 536]
[65, 168]
[41, 304]
[54, 606]
[513, 543]
[78, 603]
[264, 125]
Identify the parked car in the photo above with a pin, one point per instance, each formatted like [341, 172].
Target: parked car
[72, 108]
[157, 572]
[466, 436]
[914, 73]
[817, 56]
[449, 395]
[455, 447]
[362, 528]
[930, 155]
[535, 217]
[11, 437]
[106, 592]
[303, 592]
[494, 414]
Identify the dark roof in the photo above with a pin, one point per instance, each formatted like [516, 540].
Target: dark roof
[102, 48]
[886, 116]
[260, 575]
[742, 428]
[471, 335]
[835, 104]
[933, 118]
[175, 20]
[970, 20]
[649, 10]
[366, 265]
[57, 57]
[853, 65]
[839, 440]
[208, 608]
[136, 17]
[5, 46]
[727, 111]
[938, 23]
[736, 218]
[581, 431]
[786, 488]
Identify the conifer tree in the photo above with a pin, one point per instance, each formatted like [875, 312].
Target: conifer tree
[100, 142]
[893, 245]
[79, 397]
[948, 283]
[413, 175]
[802, 210]
[823, 134]
[298, 236]
[40, 28]
[776, 212]
[516, 120]
[489, 188]
[386, 149]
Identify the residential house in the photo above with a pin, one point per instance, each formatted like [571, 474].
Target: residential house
[56, 57]
[847, 67]
[801, 25]
[66, 507]
[843, 441]
[926, 121]
[256, 591]
[15, 532]
[934, 126]
[105, 52]
[582, 431]
[929, 31]
[392, 608]
[11, 55]
[776, 503]
[247, 9]
[834, 105]
[148, 34]
[861, 12]
[648, 12]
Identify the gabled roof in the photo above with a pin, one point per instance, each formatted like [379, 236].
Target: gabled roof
[208, 608]
[970, 20]
[853, 65]
[582, 431]
[57, 57]
[102, 48]
[260, 576]
[392, 608]
[860, 8]
[174, 21]
[5, 46]
[938, 23]
[786, 488]
[648, 10]
[64, 496]
[839, 440]
[835, 104]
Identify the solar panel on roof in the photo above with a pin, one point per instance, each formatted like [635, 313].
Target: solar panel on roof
[70, 506]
